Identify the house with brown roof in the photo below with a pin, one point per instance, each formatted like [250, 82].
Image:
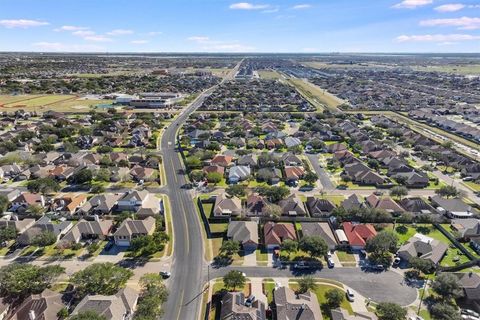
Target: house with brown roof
[214, 169]
[293, 175]
[275, 233]
[292, 206]
[19, 225]
[139, 173]
[69, 204]
[28, 199]
[43, 306]
[131, 229]
[358, 234]
[221, 160]
[383, 203]
[256, 205]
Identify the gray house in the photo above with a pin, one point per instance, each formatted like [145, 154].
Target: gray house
[245, 232]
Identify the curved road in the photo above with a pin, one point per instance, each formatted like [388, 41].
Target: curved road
[187, 280]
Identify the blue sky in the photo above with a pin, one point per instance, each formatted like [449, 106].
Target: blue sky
[237, 26]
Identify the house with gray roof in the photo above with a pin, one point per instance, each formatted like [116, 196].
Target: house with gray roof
[44, 224]
[245, 232]
[342, 314]
[421, 246]
[233, 307]
[226, 206]
[131, 229]
[43, 306]
[292, 206]
[19, 225]
[452, 208]
[97, 229]
[120, 306]
[238, 173]
[320, 229]
[319, 207]
[289, 305]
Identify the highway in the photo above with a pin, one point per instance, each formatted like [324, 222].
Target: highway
[188, 264]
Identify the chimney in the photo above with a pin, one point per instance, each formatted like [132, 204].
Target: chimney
[31, 315]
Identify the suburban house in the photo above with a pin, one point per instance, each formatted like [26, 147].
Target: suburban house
[342, 314]
[233, 307]
[69, 204]
[275, 233]
[245, 232]
[470, 285]
[289, 305]
[293, 175]
[119, 306]
[414, 179]
[44, 224]
[222, 160]
[238, 173]
[467, 229]
[10, 194]
[417, 206]
[226, 206]
[142, 202]
[319, 207]
[352, 202]
[98, 229]
[256, 205]
[27, 199]
[19, 225]
[452, 208]
[100, 204]
[383, 203]
[358, 234]
[320, 229]
[131, 229]
[292, 206]
[421, 246]
[41, 306]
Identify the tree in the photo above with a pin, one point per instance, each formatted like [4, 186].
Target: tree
[83, 176]
[390, 311]
[193, 162]
[97, 189]
[289, 246]
[444, 311]
[385, 241]
[197, 175]
[153, 294]
[399, 192]
[422, 265]
[100, 278]
[87, 315]
[214, 177]
[446, 286]
[234, 279]
[314, 245]
[334, 298]
[306, 283]
[237, 190]
[310, 178]
[104, 149]
[448, 192]
[35, 210]
[401, 179]
[230, 247]
[274, 194]
[8, 233]
[92, 248]
[373, 163]
[273, 210]
[4, 203]
[103, 175]
[43, 185]
[21, 280]
[44, 239]
[148, 244]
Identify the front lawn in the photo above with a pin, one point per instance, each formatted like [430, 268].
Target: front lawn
[268, 287]
[346, 257]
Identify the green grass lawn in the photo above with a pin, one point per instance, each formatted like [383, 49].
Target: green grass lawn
[345, 257]
[262, 256]
[320, 292]
[268, 287]
[218, 227]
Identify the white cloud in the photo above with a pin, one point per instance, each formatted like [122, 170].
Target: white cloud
[442, 38]
[83, 33]
[70, 28]
[199, 39]
[22, 23]
[248, 6]
[302, 6]
[463, 23]
[57, 46]
[154, 33]
[451, 7]
[97, 38]
[412, 4]
[208, 44]
[119, 32]
[139, 42]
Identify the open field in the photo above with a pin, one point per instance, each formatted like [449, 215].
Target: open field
[61, 103]
[269, 74]
[318, 97]
[472, 69]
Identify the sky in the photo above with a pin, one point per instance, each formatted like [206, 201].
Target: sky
[299, 26]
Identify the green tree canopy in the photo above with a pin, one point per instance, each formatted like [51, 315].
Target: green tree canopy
[446, 286]
[43, 185]
[100, 278]
[444, 311]
[306, 283]
[44, 239]
[153, 294]
[448, 192]
[230, 247]
[334, 298]
[87, 315]
[234, 279]
[384, 241]
[314, 245]
[390, 311]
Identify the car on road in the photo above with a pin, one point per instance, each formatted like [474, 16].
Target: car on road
[350, 295]
[469, 312]
[165, 274]
[342, 187]
[187, 186]
[330, 263]
[377, 267]
[301, 265]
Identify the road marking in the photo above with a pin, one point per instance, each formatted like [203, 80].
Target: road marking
[175, 173]
[180, 304]
[187, 243]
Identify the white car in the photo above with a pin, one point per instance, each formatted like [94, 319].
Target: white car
[350, 295]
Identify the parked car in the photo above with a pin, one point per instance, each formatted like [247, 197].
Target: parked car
[396, 261]
[378, 267]
[350, 295]
[249, 301]
[187, 186]
[165, 274]
[330, 263]
[469, 312]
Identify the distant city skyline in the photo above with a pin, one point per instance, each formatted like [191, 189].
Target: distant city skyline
[238, 26]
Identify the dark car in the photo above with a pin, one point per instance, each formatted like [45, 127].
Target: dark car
[187, 186]
[165, 274]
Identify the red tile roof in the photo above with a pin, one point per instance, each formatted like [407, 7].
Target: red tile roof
[358, 234]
